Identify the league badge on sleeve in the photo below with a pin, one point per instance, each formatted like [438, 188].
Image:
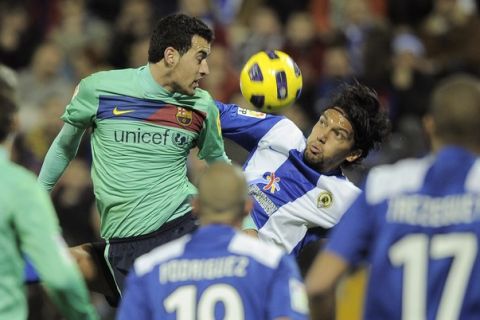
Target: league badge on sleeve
[325, 199]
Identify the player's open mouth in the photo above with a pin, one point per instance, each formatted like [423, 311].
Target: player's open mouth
[315, 150]
[196, 83]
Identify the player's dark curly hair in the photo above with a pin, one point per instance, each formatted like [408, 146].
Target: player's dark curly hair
[370, 123]
[8, 109]
[176, 31]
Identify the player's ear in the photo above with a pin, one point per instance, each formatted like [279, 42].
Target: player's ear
[171, 56]
[354, 155]
[429, 125]
[248, 206]
[195, 206]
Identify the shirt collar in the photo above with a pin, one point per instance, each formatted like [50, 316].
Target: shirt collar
[151, 86]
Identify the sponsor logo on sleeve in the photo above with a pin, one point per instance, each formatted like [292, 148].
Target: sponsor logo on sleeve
[251, 113]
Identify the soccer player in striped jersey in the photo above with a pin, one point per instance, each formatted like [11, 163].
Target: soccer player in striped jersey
[144, 122]
[297, 183]
[418, 222]
[29, 226]
[216, 272]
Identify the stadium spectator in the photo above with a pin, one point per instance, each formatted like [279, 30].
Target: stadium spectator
[144, 123]
[29, 227]
[297, 183]
[418, 222]
[209, 274]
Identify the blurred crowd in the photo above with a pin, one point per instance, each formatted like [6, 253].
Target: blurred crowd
[401, 48]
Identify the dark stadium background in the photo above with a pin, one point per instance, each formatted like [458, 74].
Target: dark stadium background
[402, 48]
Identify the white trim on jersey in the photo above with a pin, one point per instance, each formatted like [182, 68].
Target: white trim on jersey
[386, 181]
[472, 183]
[289, 224]
[263, 253]
[283, 137]
[148, 261]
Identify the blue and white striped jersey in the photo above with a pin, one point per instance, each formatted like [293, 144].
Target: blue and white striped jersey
[214, 273]
[290, 197]
[418, 225]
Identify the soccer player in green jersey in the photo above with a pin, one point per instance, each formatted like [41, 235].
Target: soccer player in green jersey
[29, 226]
[144, 122]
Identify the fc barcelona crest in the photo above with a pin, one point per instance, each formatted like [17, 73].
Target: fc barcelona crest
[184, 117]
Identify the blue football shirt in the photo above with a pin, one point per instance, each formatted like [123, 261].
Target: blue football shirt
[290, 197]
[418, 226]
[215, 273]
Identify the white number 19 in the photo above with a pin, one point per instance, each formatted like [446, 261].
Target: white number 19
[183, 302]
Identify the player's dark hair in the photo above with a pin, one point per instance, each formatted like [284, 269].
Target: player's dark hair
[8, 109]
[370, 123]
[176, 31]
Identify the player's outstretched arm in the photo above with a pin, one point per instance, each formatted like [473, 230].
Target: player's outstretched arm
[321, 281]
[40, 240]
[61, 152]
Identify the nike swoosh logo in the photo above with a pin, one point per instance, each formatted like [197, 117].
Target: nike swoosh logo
[117, 112]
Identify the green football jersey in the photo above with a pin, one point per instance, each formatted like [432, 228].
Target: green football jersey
[28, 225]
[141, 137]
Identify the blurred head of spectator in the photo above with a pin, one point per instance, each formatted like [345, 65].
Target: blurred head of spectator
[448, 34]
[78, 28]
[13, 22]
[47, 61]
[337, 69]
[132, 25]
[35, 139]
[196, 8]
[222, 82]
[303, 45]
[264, 33]
[336, 63]
[411, 82]
[86, 61]
[138, 52]
[18, 34]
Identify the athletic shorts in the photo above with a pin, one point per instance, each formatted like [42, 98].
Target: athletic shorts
[121, 253]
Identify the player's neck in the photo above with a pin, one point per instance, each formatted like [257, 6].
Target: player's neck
[161, 74]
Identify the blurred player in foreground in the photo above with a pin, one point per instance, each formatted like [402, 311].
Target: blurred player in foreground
[417, 223]
[297, 183]
[216, 272]
[28, 225]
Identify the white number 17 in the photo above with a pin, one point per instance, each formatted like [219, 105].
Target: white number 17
[413, 253]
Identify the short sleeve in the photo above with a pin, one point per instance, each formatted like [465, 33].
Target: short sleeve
[82, 109]
[287, 295]
[243, 126]
[210, 144]
[351, 237]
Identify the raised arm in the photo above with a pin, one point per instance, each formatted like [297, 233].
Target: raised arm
[61, 152]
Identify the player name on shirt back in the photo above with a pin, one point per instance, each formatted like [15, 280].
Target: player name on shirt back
[203, 269]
